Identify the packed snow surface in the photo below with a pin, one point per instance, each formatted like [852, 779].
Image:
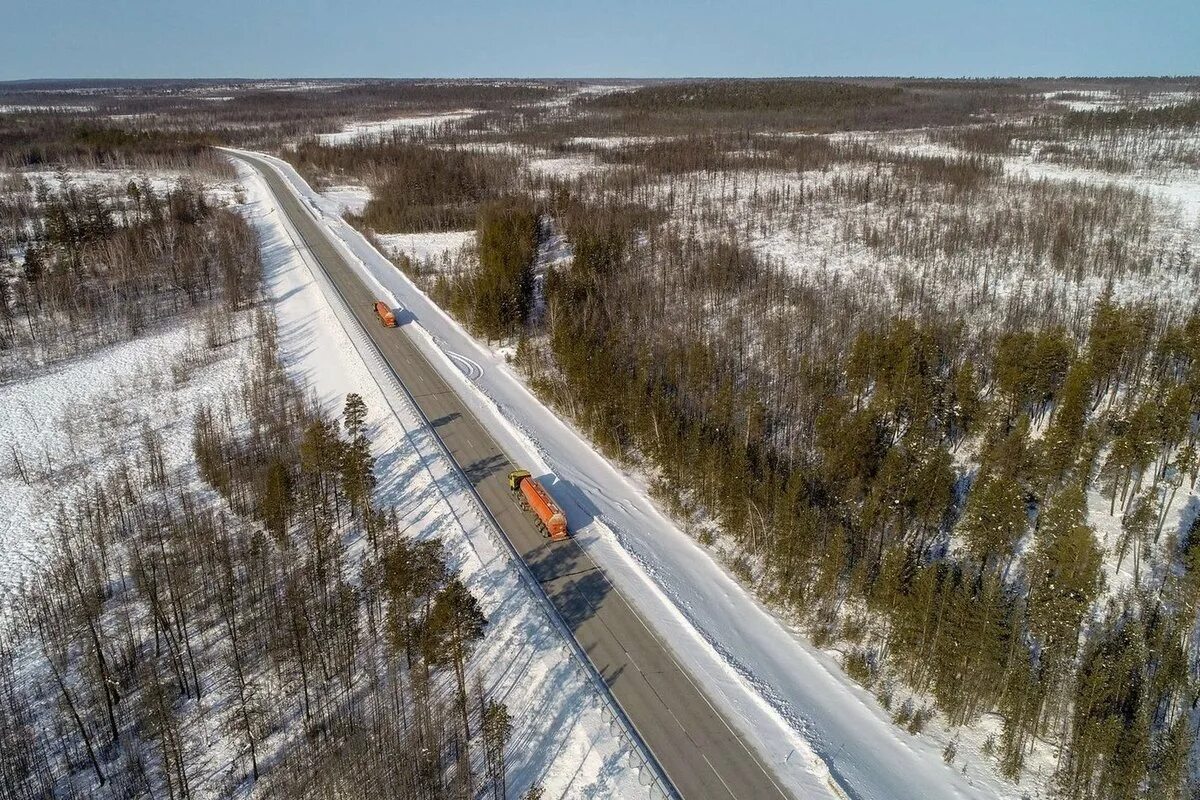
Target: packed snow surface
[814, 726]
[426, 247]
[350, 199]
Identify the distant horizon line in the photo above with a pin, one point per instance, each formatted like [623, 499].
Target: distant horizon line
[589, 78]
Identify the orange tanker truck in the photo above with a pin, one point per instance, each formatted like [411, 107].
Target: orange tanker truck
[386, 317]
[553, 521]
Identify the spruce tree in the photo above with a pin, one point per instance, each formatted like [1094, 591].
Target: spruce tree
[1064, 578]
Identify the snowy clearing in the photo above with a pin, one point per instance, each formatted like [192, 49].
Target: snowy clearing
[354, 131]
[69, 425]
[427, 247]
[350, 199]
[565, 166]
[614, 142]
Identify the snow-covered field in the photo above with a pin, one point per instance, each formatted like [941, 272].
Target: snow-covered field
[73, 423]
[568, 167]
[820, 241]
[561, 728]
[614, 142]
[1108, 100]
[355, 131]
[590, 90]
[810, 722]
[432, 248]
[350, 199]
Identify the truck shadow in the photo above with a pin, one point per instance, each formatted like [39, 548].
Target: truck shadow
[578, 507]
[445, 419]
[403, 316]
[579, 599]
[571, 581]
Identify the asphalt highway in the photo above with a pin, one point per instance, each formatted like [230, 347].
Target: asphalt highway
[697, 749]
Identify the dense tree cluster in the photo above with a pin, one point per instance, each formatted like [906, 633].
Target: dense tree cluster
[815, 105]
[51, 138]
[100, 267]
[1174, 115]
[496, 296]
[415, 187]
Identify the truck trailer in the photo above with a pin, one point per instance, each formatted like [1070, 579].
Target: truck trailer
[386, 317]
[534, 496]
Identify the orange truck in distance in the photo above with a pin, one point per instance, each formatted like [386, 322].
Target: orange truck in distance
[386, 317]
[551, 518]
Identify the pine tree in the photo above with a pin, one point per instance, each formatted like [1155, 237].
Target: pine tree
[1064, 577]
[996, 517]
[1135, 530]
[497, 727]
[1064, 437]
[358, 465]
[454, 626]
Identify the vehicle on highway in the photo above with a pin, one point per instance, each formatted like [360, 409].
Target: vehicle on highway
[534, 497]
[386, 317]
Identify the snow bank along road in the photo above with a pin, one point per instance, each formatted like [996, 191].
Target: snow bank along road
[702, 755]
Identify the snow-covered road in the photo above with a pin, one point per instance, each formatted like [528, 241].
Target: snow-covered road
[822, 734]
[562, 736]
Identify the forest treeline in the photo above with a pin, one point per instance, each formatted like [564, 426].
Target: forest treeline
[414, 187]
[101, 266]
[1170, 115]
[750, 95]
[53, 139]
[280, 612]
[803, 104]
[148, 124]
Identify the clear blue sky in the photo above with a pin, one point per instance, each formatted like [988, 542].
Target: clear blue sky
[452, 38]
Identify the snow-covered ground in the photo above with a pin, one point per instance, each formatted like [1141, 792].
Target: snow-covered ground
[589, 90]
[1177, 514]
[355, 131]
[614, 142]
[350, 199]
[568, 167]
[44, 109]
[814, 244]
[561, 735]
[76, 420]
[115, 182]
[73, 423]
[161, 181]
[427, 248]
[811, 723]
[1108, 100]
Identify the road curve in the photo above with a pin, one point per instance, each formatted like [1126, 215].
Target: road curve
[698, 750]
